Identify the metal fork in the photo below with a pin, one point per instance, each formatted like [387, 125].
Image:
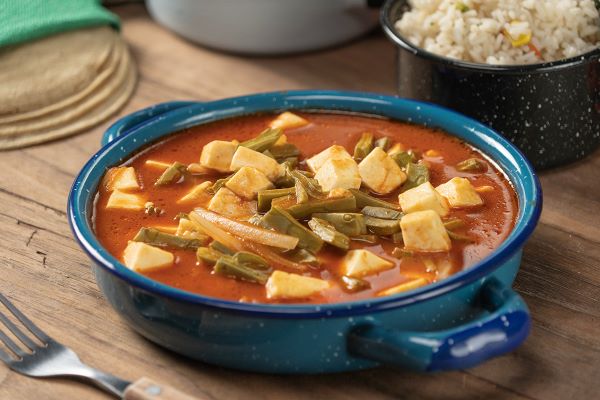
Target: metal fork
[52, 359]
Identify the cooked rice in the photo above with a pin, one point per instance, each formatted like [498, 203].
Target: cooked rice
[472, 30]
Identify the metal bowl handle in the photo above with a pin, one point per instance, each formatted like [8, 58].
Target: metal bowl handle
[497, 332]
[133, 121]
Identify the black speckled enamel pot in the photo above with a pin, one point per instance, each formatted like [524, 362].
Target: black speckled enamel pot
[551, 111]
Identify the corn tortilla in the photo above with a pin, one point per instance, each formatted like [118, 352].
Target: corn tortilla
[105, 74]
[75, 111]
[67, 127]
[46, 71]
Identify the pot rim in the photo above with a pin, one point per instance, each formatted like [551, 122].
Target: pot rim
[517, 69]
[530, 201]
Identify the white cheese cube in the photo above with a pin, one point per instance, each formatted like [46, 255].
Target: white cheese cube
[338, 174]
[283, 285]
[247, 182]
[142, 257]
[380, 173]
[424, 231]
[198, 195]
[157, 164]
[125, 201]
[334, 152]
[460, 193]
[217, 155]
[423, 197]
[187, 229]
[227, 203]
[404, 287]
[121, 178]
[358, 263]
[288, 120]
[244, 157]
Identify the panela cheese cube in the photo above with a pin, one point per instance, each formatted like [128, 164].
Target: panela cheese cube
[338, 174]
[198, 195]
[423, 197]
[227, 203]
[142, 257]
[217, 155]
[125, 201]
[283, 285]
[358, 263]
[121, 178]
[424, 231]
[245, 157]
[334, 152]
[288, 120]
[380, 173]
[247, 181]
[460, 193]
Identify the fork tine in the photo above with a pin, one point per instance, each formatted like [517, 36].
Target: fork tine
[24, 320]
[5, 357]
[11, 345]
[17, 332]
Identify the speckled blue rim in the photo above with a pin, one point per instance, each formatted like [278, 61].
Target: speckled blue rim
[388, 27]
[156, 122]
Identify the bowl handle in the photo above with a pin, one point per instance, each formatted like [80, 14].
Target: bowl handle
[134, 120]
[499, 331]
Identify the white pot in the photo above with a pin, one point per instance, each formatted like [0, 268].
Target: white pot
[265, 26]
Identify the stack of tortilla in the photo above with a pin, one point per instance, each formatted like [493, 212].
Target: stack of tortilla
[63, 84]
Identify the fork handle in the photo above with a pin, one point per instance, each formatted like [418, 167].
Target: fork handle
[147, 389]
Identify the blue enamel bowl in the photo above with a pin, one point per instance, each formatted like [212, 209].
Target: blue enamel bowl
[456, 323]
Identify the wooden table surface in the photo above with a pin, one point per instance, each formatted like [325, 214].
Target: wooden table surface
[49, 277]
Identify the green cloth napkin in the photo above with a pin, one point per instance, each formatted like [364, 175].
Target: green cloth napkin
[24, 20]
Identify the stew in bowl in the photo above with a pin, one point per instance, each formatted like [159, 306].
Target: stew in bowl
[304, 208]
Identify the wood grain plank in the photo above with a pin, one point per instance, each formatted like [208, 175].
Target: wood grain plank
[572, 198]
[34, 180]
[537, 369]
[565, 274]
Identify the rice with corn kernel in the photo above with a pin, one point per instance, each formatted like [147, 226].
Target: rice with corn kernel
[502, 31]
